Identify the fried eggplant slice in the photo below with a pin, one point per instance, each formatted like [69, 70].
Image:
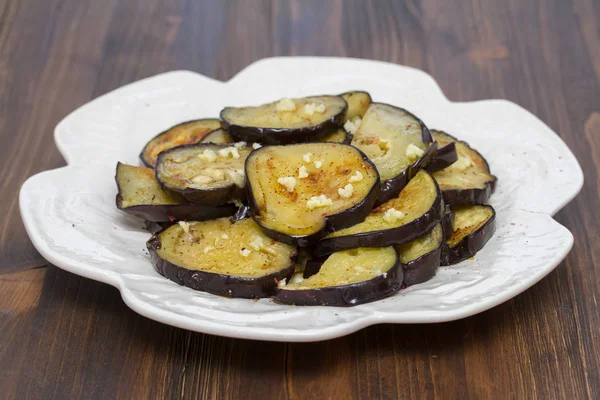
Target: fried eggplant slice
[184, 133]
[446, 154]
[221, 257]
[140, 194]
[205, 173]
[299, 193]
[422, 256]
[286, 121]
[337, 136]
[358, 103]
[398, 143]
[468, 180]
[473, 226]
[415, 211]
[447, 221]
[218, 136]
[348, 278]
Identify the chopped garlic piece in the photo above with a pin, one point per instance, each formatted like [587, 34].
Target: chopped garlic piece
[357, 177]
[413, 152]
[239, 179]
[392, 215]
[201, 179]
[239, 144]
[282, 283]
[208, 155]
[285, 104]
[288, 181]
[307, 157]
[256, 146]
[297, 278]
[257, 243]
[245, 252]
[352, 127]
[216, 174]
[207, 249]
[225, 236]
[321, 108]
[346, 192]
[462, 163]
[318, 201]
[229, 150]
[185, 226]
[309, 109]
[302, 172]
[318, 164]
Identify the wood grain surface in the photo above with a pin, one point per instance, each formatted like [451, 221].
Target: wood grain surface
[64, 337]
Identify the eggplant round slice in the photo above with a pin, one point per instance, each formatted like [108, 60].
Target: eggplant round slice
[473, 226]
[415, 211]
[348, 278]
[421, 257]
[446, 154]
[286, 121]
[468, 180]
[448, 221]
[218, 136]
[398, 143]
[300, 193]
[140, 194]
[220, 257]
[204, 173]
[337, 136]
[358, 103]
[184, 133]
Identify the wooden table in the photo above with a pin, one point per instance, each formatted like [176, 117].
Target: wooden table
[62, 336]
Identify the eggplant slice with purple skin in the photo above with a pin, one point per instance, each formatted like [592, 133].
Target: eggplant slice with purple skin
[205, 173]
[184, 133]
[398, 143]
[447, 221]
[348, 278]
[473, 225]
[221, 257]
[337, 136]
[358, 104]
[300, 193]
[140, 194]
[218, 136]
[416, 210]
[286, 121]
[421, 257]
[446, 153]
[468, 180]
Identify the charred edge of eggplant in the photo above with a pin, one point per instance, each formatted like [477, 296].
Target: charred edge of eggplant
[447, 220]
[334, 222]
[384, 238]
[347, 295]
[280, 136]
[143, 159]
[392, 187]
[215, 196]
[444, 157]
[313, 266]
[424, 267]
[471, 244]
[219, 284]
[457, 197]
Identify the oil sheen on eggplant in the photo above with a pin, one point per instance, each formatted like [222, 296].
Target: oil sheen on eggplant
[286, 121]
[140, 194]
[415, 211]
[348, 278]
[421, 257]
[204, 173]
[221, 257]
[397, 142]
[184, 133]
[468, 180]
[473, 226]
[299, 193]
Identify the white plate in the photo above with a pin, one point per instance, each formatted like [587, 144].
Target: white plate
[70, 213]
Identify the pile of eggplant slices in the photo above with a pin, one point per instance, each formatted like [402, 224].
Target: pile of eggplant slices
[323, 200]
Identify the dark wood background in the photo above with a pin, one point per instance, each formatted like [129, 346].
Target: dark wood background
[62, 336]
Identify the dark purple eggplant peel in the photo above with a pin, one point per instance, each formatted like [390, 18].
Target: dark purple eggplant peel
[398, 143]
[474, 225]
[348, 278]
[223, 258]
[140, 194]
[446, 154]
[338, 189]
[286, 121]
[416, 210]
[421, 257]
